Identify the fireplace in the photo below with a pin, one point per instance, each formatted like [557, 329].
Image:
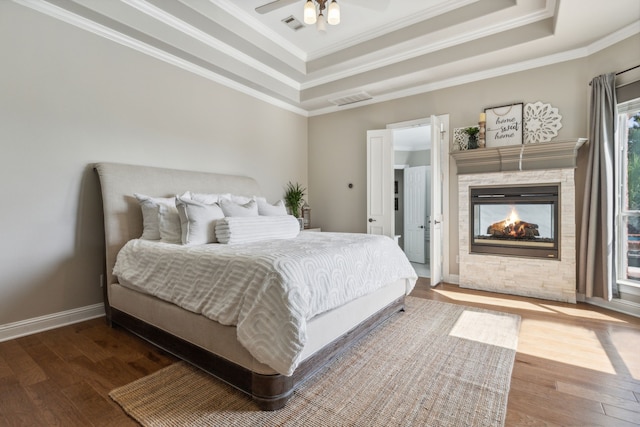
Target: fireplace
[515, 220]
[531, 276]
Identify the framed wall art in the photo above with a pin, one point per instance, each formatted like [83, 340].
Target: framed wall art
[503, 125]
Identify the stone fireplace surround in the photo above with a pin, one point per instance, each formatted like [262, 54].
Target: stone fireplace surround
[552, 279]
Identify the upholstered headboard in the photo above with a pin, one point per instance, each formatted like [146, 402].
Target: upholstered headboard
[122, 213]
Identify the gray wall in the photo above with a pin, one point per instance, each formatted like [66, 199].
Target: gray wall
[69, 98]
[337, 142]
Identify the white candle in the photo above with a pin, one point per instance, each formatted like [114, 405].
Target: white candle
[483, 117]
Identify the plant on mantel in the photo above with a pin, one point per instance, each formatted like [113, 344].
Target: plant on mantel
[293, 198]
[473, 136]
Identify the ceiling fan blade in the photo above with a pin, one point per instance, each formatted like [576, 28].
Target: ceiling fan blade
[276, 4]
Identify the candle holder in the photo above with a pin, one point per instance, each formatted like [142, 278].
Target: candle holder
[481, 134]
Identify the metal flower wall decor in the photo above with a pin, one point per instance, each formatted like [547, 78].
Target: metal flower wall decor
[541, 122]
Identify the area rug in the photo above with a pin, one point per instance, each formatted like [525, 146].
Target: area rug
[436, 364]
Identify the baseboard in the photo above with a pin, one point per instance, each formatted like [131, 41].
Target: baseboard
[621, 306]
[454, 279]
[19, 329]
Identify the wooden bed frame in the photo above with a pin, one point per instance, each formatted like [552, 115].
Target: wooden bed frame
[123, 222]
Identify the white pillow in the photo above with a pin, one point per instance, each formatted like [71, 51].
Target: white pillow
[170, 229]
[197, 221]
[231, 230]
[241, 200]
[150, 219]
[209, 198]
[267, 209]
[231, 208]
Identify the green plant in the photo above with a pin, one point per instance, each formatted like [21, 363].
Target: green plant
[293, 195]
[473, 136]
[472, 131]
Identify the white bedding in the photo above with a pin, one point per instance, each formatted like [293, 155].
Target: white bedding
[268, 289]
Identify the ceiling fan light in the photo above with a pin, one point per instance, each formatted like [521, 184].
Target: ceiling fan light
[333, 18]
[321, 24]
[309, 12]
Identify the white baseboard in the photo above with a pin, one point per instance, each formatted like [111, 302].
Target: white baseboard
[22, 328]
[621, 306]
[454, 279]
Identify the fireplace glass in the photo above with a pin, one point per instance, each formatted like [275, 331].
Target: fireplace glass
[515, 221]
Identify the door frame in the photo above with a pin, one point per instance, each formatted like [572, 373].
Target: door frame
[448, 223]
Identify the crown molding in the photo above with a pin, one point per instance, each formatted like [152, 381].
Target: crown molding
[234, 10]
[422, 46]
[460, 80]
[292, 106]
[417, 48]
[388, 28]
[618, 36]
[108, 33]
[199, 35]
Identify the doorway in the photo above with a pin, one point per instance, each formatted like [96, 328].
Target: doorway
[412, 182]
[380, 189]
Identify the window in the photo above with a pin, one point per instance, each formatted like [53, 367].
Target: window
[628, 193]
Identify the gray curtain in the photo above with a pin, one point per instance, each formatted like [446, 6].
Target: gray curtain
[596, 269]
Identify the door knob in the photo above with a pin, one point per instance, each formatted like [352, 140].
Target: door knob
[422, 226]
[371, 220]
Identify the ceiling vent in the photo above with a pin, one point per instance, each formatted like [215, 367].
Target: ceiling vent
[293, 23]
[351, 99]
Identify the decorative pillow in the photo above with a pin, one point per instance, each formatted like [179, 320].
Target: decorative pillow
[209, 198]
[150, 219]
[197, 221]
[267, 209]
[170, 229]
[252, 229]
[241, 200]
[231, 208]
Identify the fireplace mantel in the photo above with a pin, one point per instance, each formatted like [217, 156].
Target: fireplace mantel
[525, 157]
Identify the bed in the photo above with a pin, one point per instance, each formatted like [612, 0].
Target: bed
[211, 345]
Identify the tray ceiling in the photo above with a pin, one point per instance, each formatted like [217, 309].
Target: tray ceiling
[382, 49]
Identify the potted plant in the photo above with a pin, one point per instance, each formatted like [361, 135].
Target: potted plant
[473, 136]
[293, 195]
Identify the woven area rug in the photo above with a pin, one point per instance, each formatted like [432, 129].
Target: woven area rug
[437, 364]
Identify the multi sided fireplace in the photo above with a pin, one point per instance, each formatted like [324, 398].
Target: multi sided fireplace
[515, 220]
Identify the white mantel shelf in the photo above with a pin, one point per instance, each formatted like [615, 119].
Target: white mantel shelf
[526, 157]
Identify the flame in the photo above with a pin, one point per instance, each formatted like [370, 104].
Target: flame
[512, 218]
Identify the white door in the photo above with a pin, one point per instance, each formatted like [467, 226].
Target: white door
[415, 215]
[380, 203]
[435, 216]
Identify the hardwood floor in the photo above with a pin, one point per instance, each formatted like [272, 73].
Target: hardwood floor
[576, 365]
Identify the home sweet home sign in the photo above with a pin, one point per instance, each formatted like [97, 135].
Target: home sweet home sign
[503, 125]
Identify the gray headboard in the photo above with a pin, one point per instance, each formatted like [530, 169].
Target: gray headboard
[122, 213]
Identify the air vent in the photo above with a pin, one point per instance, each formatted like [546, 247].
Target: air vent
[351, 99]
[293, 23]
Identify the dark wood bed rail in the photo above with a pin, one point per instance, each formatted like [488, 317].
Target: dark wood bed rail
[269, 392]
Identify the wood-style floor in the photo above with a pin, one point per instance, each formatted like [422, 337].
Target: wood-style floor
[576, 365]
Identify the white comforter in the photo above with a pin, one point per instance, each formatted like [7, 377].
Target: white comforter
[268, 289]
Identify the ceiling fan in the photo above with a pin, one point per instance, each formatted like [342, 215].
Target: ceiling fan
[277, 4]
